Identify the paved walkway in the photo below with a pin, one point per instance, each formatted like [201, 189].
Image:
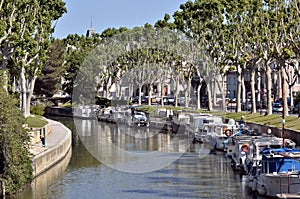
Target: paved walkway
[56, 135]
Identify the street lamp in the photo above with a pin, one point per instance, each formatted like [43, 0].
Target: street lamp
[228, 95]
[256, 92]
[261, 98]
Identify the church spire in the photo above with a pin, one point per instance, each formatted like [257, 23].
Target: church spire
[91, 30]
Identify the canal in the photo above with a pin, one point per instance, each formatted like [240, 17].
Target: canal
[115, 161]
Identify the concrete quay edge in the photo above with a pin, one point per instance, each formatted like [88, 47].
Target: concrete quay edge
[58, 144]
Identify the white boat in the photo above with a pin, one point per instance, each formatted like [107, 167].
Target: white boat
[85, 111]
[196, 126]
[241, 131]
[253, 160]
[219, 132]
[242, 149]
[179, 121]
[280, 172]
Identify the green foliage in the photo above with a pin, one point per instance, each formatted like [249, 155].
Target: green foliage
[37, 109]
[78, 48]
[109, 32]
[15, 163]
[48, 81]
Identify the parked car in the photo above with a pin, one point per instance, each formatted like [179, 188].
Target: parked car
[277, 107]
[141, 118]
[295, 109]
[135, 99]
[167, 100]
[262, 104]
[181, 101]
[247, 106]
[144, 99]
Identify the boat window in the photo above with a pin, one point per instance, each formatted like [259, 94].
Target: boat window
[208, 121]
[275, 146]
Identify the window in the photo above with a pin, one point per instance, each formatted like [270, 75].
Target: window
[228, 80]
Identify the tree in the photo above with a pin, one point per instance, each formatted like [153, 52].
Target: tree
[165, 23]
[78, 48]
[33, 43]
[15, 163]
[110, 32]
[12, 26]
[202, 20]
[53, 70]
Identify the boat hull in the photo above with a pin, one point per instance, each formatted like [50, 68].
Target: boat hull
[276, 183]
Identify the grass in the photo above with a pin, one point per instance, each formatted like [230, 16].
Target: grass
[35, 121]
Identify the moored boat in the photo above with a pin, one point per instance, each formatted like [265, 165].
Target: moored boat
[179, 121]
[85, 111]
[196, 126]
[279, 173]
[254, 159]
[219, 132]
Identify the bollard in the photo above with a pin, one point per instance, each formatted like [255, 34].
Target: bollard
[43, 136]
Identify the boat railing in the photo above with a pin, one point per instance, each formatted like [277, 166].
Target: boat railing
[288, 183]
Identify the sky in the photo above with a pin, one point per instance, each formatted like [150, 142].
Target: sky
[103, 14]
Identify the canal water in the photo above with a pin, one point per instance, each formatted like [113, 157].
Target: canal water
[115, 161]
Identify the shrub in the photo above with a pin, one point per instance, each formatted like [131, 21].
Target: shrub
[15, 163]
[37, 109]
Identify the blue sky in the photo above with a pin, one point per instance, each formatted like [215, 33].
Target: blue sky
[112, 13]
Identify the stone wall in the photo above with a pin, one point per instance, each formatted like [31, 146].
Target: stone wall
[59, 111]
[35, 133]
[289, 134]
[46, 159]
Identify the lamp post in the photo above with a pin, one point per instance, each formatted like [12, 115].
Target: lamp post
[283, 106]
[261, 98]
[257, 93]
[228, 95]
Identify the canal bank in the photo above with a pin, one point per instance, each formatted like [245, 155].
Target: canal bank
[191, 176]
[58, 142]
[159, 122]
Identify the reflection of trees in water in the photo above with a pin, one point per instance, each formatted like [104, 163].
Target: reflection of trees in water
[122, 136]
[40, 184]
[147, 139]
[80, 157]
[128, 148]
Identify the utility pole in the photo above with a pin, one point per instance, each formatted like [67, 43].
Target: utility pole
[283, 107]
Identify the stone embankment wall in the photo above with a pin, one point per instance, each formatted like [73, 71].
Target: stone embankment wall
[36, 133]
[51, 156]
[289, 134]
[59, 111]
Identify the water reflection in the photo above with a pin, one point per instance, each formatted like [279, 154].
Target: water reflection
[40, 185]
[198, 173]
[131, 149]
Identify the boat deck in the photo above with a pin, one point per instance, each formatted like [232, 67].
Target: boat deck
[288, 195]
